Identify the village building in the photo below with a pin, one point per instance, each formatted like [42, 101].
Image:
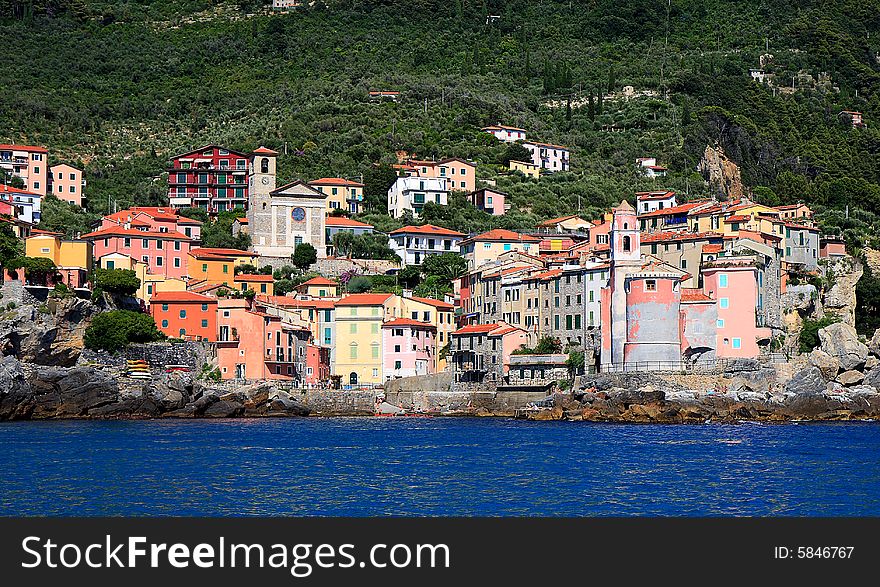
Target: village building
[683, 250]
[481, 352]
[318, 287]
[380, 95]
[486, 247]
[831, 246]
[671, 218]
[571, 224]
[460, 174]
[213, 178]
[342, 194]
[27, 204]
[438, 313]
[336, 224]
[150, 283]
[410, 348]
[549, 157]
[647, 202]
[185, 314]
[163, 253]
[527, 168]
[280, 219]
[801, 246]
[507, 134]
[215, 265]
[489, 201]
[260, 284]
[67, 183]
[648, 166]
[410, 194]
[414, 244]
[72, 258]
[359, 320]
[28, 163]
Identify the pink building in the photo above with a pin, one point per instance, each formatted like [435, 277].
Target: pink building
[409, 348]
[252, 344]
[30, 163]
[490, 201]
[155, 219]
[733, 284]
[66, 183]
[164, 253]
[460, 174]
[831, 246]
[317, 364]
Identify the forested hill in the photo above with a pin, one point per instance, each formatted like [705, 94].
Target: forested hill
[120, 86]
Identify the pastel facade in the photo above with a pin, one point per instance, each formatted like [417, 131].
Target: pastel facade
[72, 258]
[342, 194]
[460, 174]
[163, 253]
[831, 246]
[439, 314]
[490, 201]
[318, 287]
[150, 282]
[185, 314]
[261, 284]
[483, 248]
[565, 225]
[213, 178]
[27, 204]
[29, 163]
[359, 320]
[66, 182]
[647, 202]
[733, 283]
[412, 193]
[414, 244]
[527, 168]
[216, 266]
[549, 157]
[410, 348]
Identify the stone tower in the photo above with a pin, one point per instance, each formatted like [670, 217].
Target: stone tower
[625, 259]
[261, 184]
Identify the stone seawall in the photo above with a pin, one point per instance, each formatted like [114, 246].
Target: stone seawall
[157, 354]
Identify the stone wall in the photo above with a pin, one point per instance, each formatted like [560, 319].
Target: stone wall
[157, 354]
[333, 402]
[336, 266]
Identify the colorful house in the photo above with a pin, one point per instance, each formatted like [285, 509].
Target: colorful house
[213, 178]
[459, 174]
[66, 182]
[185, 314]
[261, 284]
[318, 287]
[485, 247]
[215, 265]
[438, 313]
[410, 194]
[410, 348]
[490, 201]
[163, 253]
[359, 320]
[481, 352]
[29, 163]
[565, 224]
[647, 202]
[342, 194]
[527, 168]
[72, 258]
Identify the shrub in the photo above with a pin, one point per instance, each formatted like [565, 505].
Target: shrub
[116, 329]
[119, 281]
[809, 338]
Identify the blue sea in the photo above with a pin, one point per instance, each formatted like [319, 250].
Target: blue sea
[436, 467]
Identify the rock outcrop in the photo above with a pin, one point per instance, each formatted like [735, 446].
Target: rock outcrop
[50, 333]
[841, 341]
[721, 173]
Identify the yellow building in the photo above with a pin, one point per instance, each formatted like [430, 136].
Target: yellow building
[261, 284]
[481, 249]
[216, 266]
[527, 169]
[359, 319]
[72, 258]
[743, 215]
[150, 283]
[318, 287]
[435, 312]
[342, 194]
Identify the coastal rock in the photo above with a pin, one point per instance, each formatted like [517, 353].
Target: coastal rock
[49, 334]
[872, 378]
[16, 399]
[71, 392]
[874, 344]
[849, 378]
[841, 342]
[827, 365]
[223, 409]
[806, 382]
[871, 362]
[130, 408]
[288, 407]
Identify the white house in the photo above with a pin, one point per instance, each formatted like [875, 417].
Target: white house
[27, 203]
[650, 168]
[549, 157]
[595, 279]
[508, 134]
[647, 202]
[413, 244]
[412, 193]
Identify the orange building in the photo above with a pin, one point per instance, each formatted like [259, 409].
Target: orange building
[216, 265]
[184, 314]
[261, 284]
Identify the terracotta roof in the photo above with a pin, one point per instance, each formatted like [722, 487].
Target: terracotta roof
[408, 322]
[241, 220]
[318, 281]
[343, 221]
[264, 151]
[9, 189]
[253, 277]
[428, 229]
[656, 237]
[335, 181]
[680, 209]
[502, 127]
[546, 275]
[692, 294]
[292, 302]
[561, 219]
[791, 206]
[737, 218]
[432, 302]
[133, 232]
[211, 253]
[712, 248]
[477, 329]
[181, 296]
[364, 299]
[29, 148]
[545, 145]
[800, 227]
[204, 148]
[500, 234]
[642, 196]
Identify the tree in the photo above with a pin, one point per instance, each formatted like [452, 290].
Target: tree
[868, 302]
[195, 214]
[36, 269]
[114, 330]
[548, 345]
[575, 361]
[359, 284]
[119, 281]
[10, 245]
[516, 152]
[377, 181]
[447, 266]
[304, 256]
[64, 217]
[433, 287]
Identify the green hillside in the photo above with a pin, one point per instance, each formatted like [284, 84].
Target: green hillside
[121, 86]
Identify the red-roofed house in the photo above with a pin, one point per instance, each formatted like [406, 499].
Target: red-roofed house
[184, 314]
[487, 246]
[647, 202]
[414, 244]
[30, 163]
[359, 320]
[508, 134]
[318, 287]
[565, 224]
[649, 167]
[163, 253]
[481, 352]
[261, 284]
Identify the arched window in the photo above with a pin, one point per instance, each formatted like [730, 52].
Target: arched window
[264, 165]
[626, 244]
[626, 225]
[353, 378]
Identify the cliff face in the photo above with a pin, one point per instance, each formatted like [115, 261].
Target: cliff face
[721, 173]
[840, 298]
[48, 333]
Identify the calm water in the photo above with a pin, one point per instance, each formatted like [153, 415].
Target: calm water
[482, 467]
